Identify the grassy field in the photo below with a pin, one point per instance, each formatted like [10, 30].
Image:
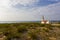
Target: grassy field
[30, 31]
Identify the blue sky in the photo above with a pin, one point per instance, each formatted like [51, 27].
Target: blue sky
[39, 3]
[29, 10]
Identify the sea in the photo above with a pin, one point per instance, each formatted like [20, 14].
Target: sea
[17, 21]
[25, 21]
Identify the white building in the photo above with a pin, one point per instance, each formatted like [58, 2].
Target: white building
[43, 21]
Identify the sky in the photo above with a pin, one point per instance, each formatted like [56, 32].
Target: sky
[29, 10]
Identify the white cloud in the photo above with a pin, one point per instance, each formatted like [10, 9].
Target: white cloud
[4, 3]
[51, 11]
[23, 2]
[8, 13]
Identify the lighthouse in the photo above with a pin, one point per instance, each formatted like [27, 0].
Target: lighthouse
[43, 21]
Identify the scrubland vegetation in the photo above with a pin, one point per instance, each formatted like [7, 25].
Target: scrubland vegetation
[30, 31]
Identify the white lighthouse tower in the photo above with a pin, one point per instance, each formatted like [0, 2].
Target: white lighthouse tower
[43, 21]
